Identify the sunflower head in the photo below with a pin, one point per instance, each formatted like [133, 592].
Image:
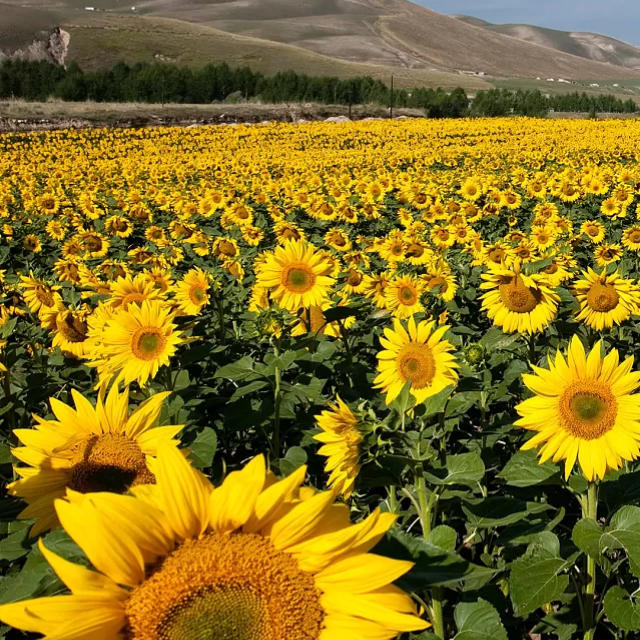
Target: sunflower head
[583, 409]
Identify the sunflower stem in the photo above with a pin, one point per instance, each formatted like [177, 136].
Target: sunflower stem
[590, 511]
[532, 348]
[275, 440]
[425, 510]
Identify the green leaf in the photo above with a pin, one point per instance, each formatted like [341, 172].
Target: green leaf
[586, 536]
[478, 621]
[495, 339]
[5, 454]
[436, 404]
[465, 468]
[239, 370]
[497, 512]
[434, 565]
[35, 577]
[623, 532]
[621, 609]
[294, 458]
[14, 546]
[203, 448]
[240, 392]
[535, 580]
[181, 380]
[524, 470]
[444, 537]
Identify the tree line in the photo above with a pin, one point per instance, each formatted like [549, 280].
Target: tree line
[165, 82]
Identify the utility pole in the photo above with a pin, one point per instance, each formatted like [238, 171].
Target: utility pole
[391, 99]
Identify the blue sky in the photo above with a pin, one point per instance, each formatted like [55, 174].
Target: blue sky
[618, 18]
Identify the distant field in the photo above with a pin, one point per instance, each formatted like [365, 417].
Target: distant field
[17, 115]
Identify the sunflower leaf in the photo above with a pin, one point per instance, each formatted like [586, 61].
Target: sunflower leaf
[478, 621]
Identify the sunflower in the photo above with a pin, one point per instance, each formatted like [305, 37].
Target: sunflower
[607, 254]
[583, 409]
[341, 440]
[417, 353]
[132, 290]
[191, 293]
[39, 295]
[296, 274]
[517, 302]
[252, 558]
[71, 332]
[402, 296]
[631, 238]
[594, 230]
[604, 299]
[87, 448]
[133, 343]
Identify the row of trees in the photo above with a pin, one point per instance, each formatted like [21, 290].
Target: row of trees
[161, 82]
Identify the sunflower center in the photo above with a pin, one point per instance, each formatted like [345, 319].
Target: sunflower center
[407, 295]
[197, 295]
[496, 255]
[108, 463]
[225, 587]
[634, 236]
[517, 297]
[148, 343]
[74, 329]
[44, 296]
[602, 297]
[416, 363]
[298, 278]
[588, 409]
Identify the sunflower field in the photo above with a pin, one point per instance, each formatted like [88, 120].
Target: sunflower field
[324, 381]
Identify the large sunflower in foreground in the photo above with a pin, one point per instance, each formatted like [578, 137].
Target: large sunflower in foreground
[605, 299]
[583, 409]
[296, 274]
[101, 448]
[517, 302]
[253, 559]
[417, 353]
[341, 440]
[135, 342]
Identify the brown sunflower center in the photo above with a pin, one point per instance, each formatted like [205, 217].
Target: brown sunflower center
[496, 255]
[298, 278]
[517, 297]
[588, 409]
[108, 463]
[407, 295]
[44, 296]
[416, 363]
[226, 587]
[602, 297]
[73, 328]
[148, 343]
[198, 295]
[354, 278]
[634, 236]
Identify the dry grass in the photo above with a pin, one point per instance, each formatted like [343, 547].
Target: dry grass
[19, 115]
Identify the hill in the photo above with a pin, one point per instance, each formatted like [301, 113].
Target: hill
[592, 46]
[320, 37]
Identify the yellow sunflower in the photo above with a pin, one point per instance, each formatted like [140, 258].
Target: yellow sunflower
[86, 449]
[607, 254]
[192, 292]
[604, 299]
[133, 343]
[417, 353]
[296, 274]
[402, 296]
[72, 332]
[127, 290]
[252, 558]
[341, 440]
[594, 230]
[631, 238]
[517, 302]
[583, 409]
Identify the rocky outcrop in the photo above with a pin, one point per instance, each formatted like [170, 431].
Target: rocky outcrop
[53, 47]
